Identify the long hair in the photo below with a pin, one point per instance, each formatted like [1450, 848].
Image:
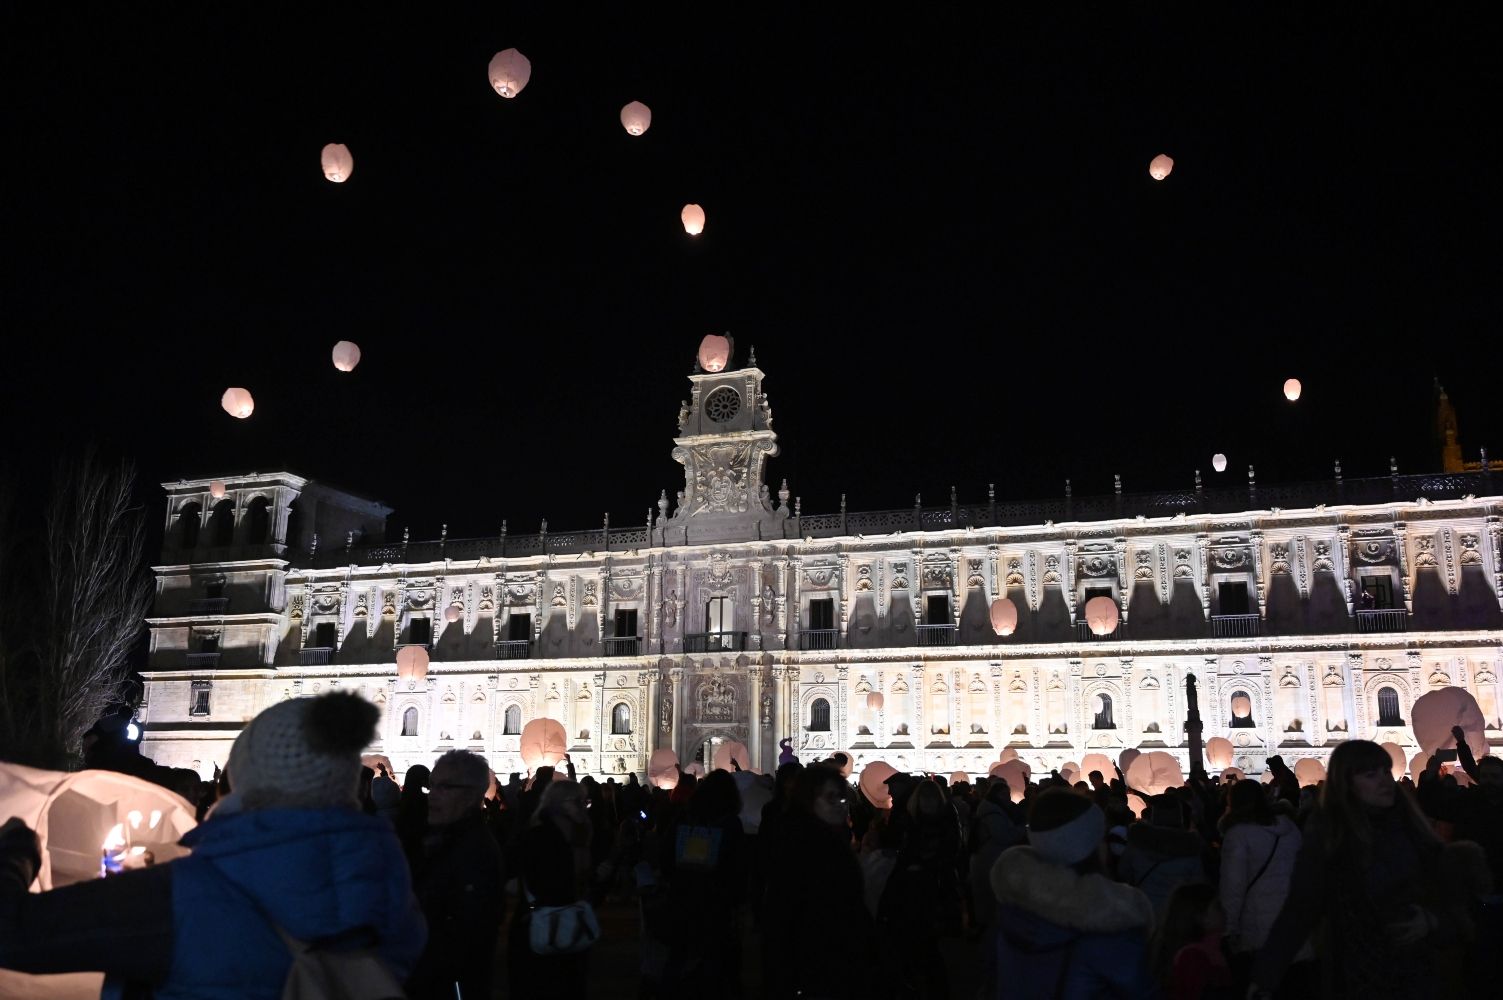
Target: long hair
[1246, 802]
[1184, 923]
[1347, 826]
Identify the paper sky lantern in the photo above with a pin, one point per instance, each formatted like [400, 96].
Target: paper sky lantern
[1137, 805]
[1124, 761]
[1069, 771]
[1267, 777]
[874, 701]
[1160, 166]
[693, 218]
[1016, 774]
[1231, 774]
[237, 402]
[509, 71]
[1309, 771]
[1101, 615]
[1007, 755]
[453, 613]
[337, 162]
[960, 777]
[662, 769]
[1292, 389]
[1004, 616]
[725, 751]
[1435, 712]
[873, 783]
[346, 356]
[1155, 772]
[543, 743]
[1241, 706]
[1219, 752]
[1096, 762]
[1417, 765]
[217, 489]
[714, 352]
[1396, 755]
[844, 761]
[695, 768]
[412, 663]
[996, 769]
[1218, 462]
[636, 118]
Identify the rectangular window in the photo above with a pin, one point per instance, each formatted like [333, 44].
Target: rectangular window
[937, 610]
[718, 614]
[208, 642]
[198, 703]
[419, 632]
[518, 627]
[325, 635]
[213, 590]
[1381, 589]
[822, 613]
[626, 622]
[1232, 597]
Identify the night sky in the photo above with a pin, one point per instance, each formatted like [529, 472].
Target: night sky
[939, 234]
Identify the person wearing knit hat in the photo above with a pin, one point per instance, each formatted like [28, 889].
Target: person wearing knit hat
[1063, 928]
[286, 853]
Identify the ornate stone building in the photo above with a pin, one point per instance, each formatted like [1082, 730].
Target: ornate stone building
[732, 616]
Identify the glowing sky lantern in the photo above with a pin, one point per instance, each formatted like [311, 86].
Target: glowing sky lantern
[1435, 712]
[1004, 616]
[1218, 462]
[1241, 706]
[1292, 389]
[337, 162]
[1016, 774]
[714, 352]
[960, 777]
[237, 402]
[1101, 615]
[1309, 771]
[346, 356]
[1160, 166]
[874, 701]
[1007, 755]
[636, 118]
[662, 769]
[1155, 772]
[217, 489]
[1219, 752]
[728, 751]
[874, 783]
[1070, 771]
[509, 72]
[1124, 760]
[693, 218]
[1231, 774]
[412, 663]
[453, 613]
[543, 743]
[1096, 762]
[844, 761]
[1396, 756]
[695, 768]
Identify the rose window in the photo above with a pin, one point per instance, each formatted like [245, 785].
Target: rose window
[723, 404]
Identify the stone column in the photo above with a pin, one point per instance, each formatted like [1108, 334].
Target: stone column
[676, 731]
[647, 681]
[754, 713]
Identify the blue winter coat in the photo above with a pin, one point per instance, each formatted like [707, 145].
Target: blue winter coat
[1064, 935]
[318, 873]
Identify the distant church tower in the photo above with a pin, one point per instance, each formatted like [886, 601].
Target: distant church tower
[724, 439]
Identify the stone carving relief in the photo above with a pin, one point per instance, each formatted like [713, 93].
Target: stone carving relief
[1231, 558]
[487, 600]
[720, 478]
[939, 575]
[1278, 555]
[863, 578]
[295, 608]
[1014, 572]
[717, 701]
[900, 576]
[1471, 555]
[589, 600]
[819, 576]
[1424, 550]
[389, 604]
[1051, 569]
[1097, 565]
[1323, 562]
[1144, 561]
[1374, 550]
[521, 595]
[560, 600]
[1182, 567]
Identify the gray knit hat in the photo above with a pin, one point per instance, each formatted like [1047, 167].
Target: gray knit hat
[303, 753]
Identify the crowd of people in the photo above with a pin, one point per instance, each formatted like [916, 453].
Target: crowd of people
[1361, 886]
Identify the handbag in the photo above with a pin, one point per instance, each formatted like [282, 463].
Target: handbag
[563, 930]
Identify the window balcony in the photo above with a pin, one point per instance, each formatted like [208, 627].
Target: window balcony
[1236, 626]
[316, 656]
[818, 638]
[204, 659]
[713, 642]
[208, 606]
[514, 649]
[623, 645]
[936, 635]
[1083, 633]
[1383, 620]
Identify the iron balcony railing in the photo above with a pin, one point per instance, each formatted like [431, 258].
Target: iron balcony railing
[208, 606]
[203, 659]
[936, 635]
[1236, 626]
[316, 656]
[818, 638]
[623, 645]
[514, 649]
[707, 642]
[1383, 620]
[1083, 633]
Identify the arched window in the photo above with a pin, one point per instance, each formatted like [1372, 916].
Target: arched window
[222, 523]
[621, 718]
[512, 726]
[819, 716]
[189, 520]
[1388, 707]
[258, 522]
[410, 722]
[1242, 711]
[1103, 719]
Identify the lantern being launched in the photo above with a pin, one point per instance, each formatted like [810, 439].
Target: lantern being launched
[714, 352]
[1219, 751]
[1004, 616]
[875, 701]
[346, 355]
[1155, 772]
[1160, 166]
[636, 118]
[412, 663]
[874, 783]
[1292, 389]
[1436, 712]
[509, 71]
[237, 403]
[693, 218]
[662, 769]
[1101, 615]
[337, 161]
[543, 743]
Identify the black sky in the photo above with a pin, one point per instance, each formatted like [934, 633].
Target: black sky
[938, 231]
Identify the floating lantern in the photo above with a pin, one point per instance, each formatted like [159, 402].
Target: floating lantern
[844, 761]
[1096, 762]
[1016, 774]
[412, 663]
[1396, 756]
[543, 743]
[960, 778]
[453, 613]
[509, 71]
[1069, 771]
[1004, 616]
[346, 356]
[1101, 615]
[1160, 166]
[714, 352]
[1218, 462]
[1435, 712]
[1007, 755]
[217, 489]
[1125, 759]
[1241, 706]
[237, 402]
[874, 783]
[693, 218]
[1309, 771]
[1417, 765]
[874, 701]
[337, 162]
[636, 118]
[1155, 772]
[1219, 751]
[1292, 389]
[727, 751]
[662, 769]
[1137, 805]
[695, 768]
[1231, 774]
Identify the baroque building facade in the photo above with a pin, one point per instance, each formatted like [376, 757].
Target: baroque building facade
[735, 617]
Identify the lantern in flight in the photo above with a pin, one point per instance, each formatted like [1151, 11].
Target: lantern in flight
[412, 663]
[874, 783]
[1219, 752]
[217, 489]
[1160, 166]
[1101, 615]
[237, 402]
[543, 743]
[337, 162]
[874, 701]
[1004, 616]
[1155, 772]
[509, 71]
[714, 352]
[662, 769]
[636, 118]
[453, 613]
[1292, 389]
[1218, 462]
[1436, 712]
[346, 355]
[693, 218]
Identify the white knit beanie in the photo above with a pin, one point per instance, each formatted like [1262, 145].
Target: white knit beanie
[303, 753]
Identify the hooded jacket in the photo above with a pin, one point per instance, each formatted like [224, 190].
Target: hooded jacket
[1252, 906]
[1066, 935]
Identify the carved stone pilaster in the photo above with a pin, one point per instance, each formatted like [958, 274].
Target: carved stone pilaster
[1203, 579]
[1401, 547]
[1259, 580]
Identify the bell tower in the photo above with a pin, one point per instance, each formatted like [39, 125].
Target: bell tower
[724, 439]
